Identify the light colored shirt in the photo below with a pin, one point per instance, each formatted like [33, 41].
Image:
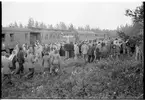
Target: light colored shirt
[84, 49]
[46, 60]
[76, 49]
[6, 63]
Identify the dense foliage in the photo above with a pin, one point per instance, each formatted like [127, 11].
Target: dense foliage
[137, 15]
[133, 32]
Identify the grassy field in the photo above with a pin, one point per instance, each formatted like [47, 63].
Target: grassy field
[107, 78]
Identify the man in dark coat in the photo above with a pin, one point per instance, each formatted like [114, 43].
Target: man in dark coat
[66, 47]
[91, 55]
[71, 51]
[62, 51]
[20, 58]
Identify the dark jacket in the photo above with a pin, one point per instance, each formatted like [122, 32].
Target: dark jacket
[20, 57]
[66, 47]
[71, 47]
[91, 50]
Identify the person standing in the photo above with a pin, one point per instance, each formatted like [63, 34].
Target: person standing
[80, 52]
[31, 49]
[91, 55]
[14, 60]
[97, 52]
[137, 52]
[71, 51]
[30, 64]
[93, 52]
[61, 51]
[55, 62]
[76, 51]
[84, 50]
[124, 47]
[21, 60]
[128, 47]
[66, 47]
[46, 62]
[6, 72]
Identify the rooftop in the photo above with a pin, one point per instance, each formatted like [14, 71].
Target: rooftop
[86, 32]
[30, 29]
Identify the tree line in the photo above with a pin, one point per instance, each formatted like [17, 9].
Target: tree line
[128, 30]
[36, 24]
[133, 32]
[61, 26]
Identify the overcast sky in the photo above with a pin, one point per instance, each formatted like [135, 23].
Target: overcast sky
[96, 14]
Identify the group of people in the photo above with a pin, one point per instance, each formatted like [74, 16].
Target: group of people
[49, 56]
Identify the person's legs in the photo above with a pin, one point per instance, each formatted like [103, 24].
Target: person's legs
[139, 56]
[20, 69]
[98, 55]
[89, 58]
[63, 52]
[14, 63]
[93, 57]
[31, 70]
[66, 54]
[75, 56]
[13, 66]
[51, 68]
[136, 55]
[124, 50]
[85, 57]
[57, 69]
[70, 53]
[128, 51]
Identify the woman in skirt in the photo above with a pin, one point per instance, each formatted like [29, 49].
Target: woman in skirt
[46, 62]
[55, 62]
[30, 64]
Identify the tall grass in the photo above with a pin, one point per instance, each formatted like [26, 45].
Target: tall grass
[106, 78]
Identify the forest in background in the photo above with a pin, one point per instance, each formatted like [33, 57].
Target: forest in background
[130, 30]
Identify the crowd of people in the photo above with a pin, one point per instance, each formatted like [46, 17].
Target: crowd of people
[49, 56]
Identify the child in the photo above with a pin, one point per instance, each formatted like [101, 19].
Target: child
[55, 62]
[6, 72]
[46, 61]
[30, 64]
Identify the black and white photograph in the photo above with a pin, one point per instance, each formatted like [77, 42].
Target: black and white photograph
[72, 49]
